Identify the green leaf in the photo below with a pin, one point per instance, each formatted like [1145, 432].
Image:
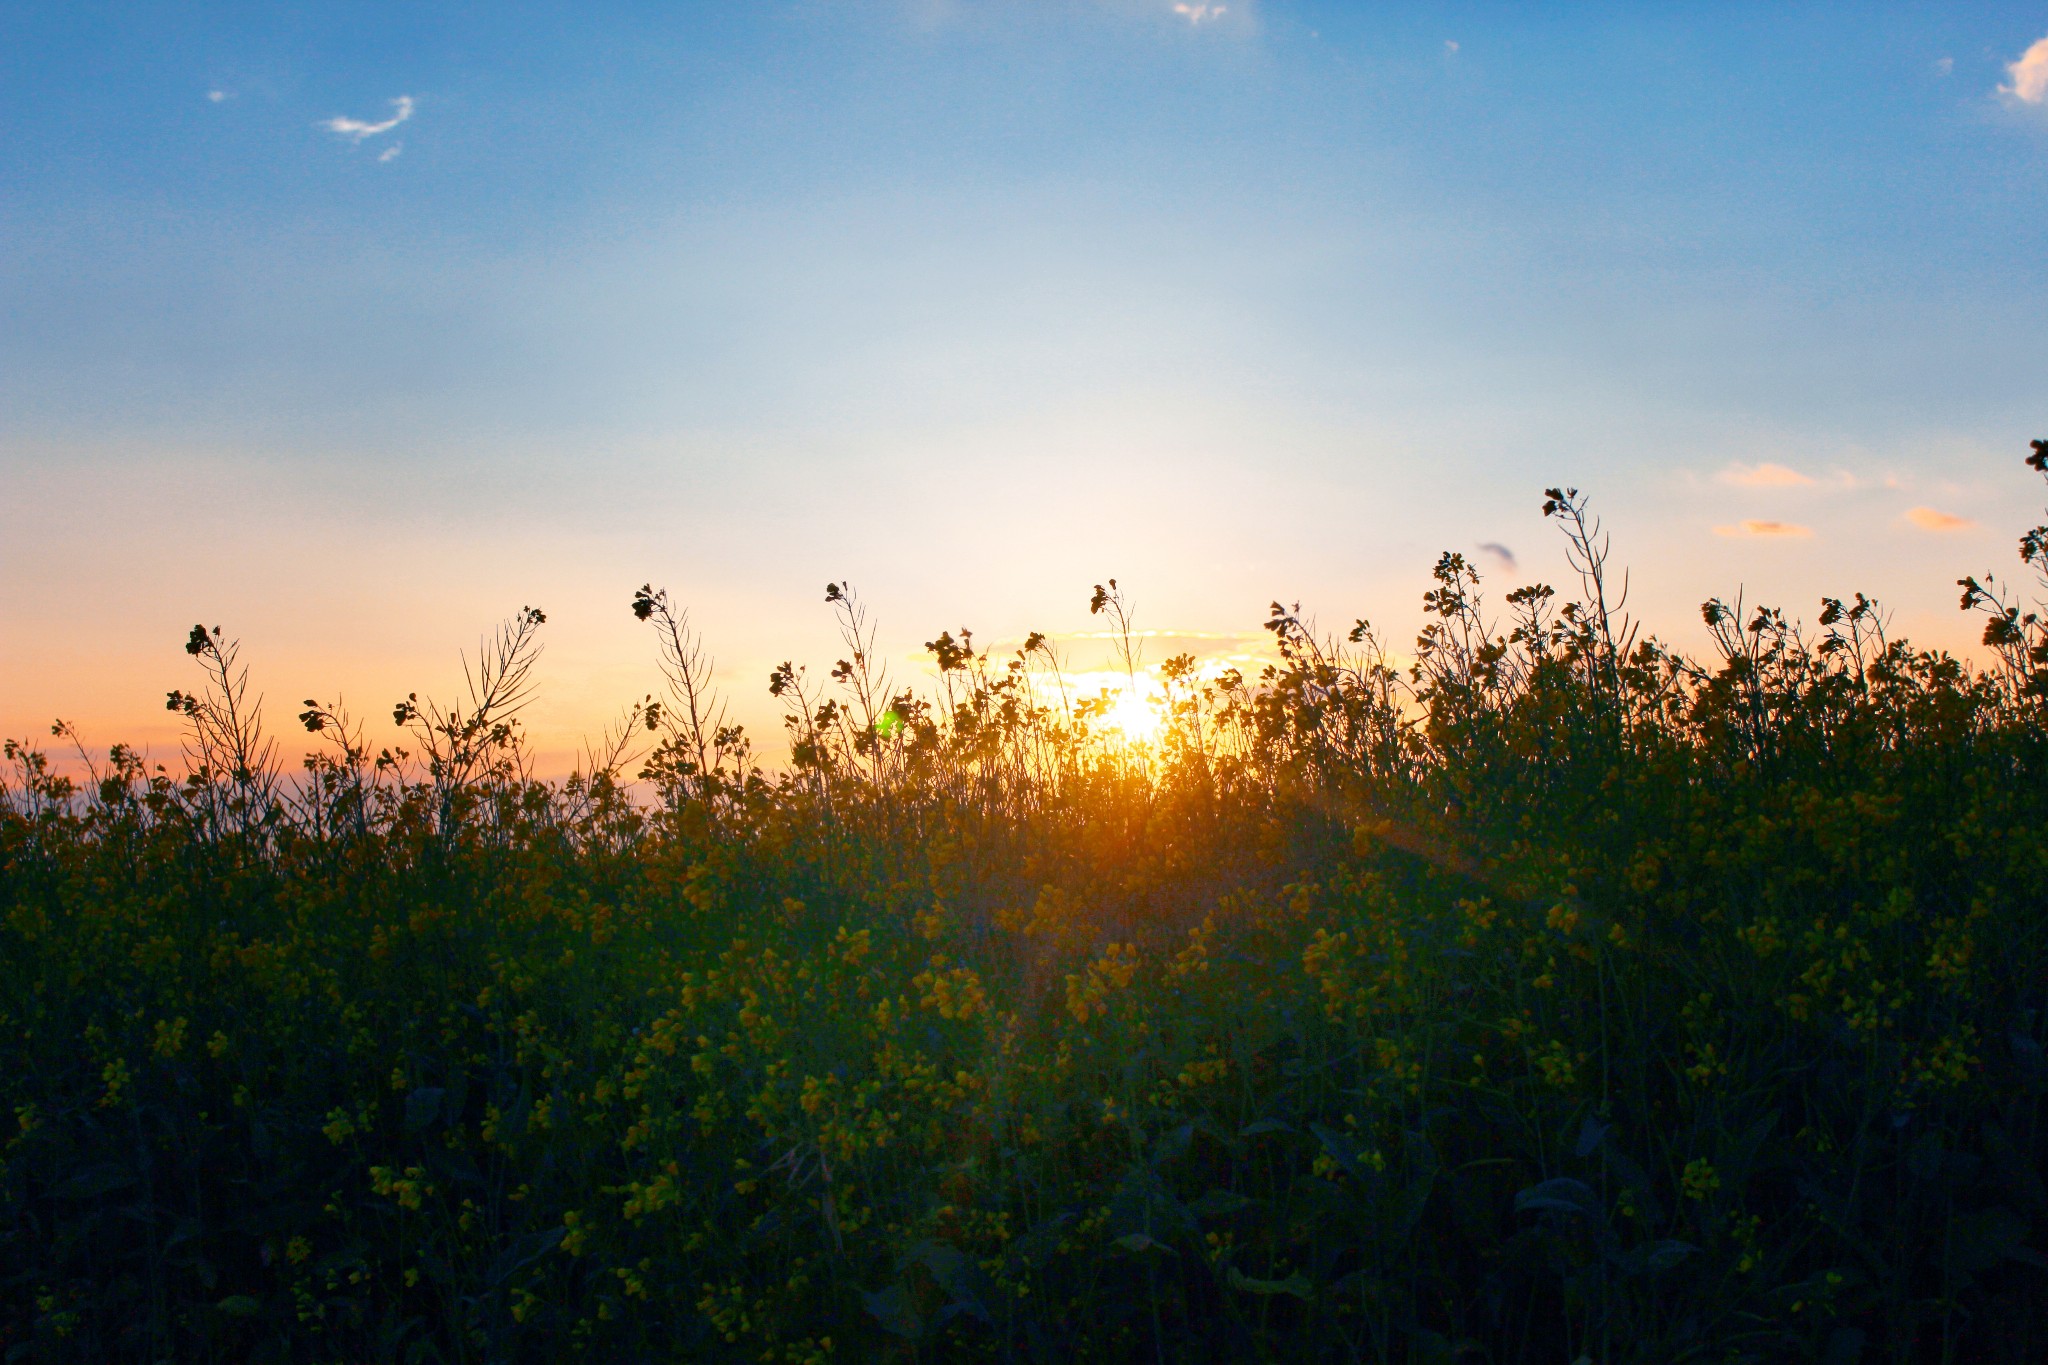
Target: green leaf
[1592, 1132]
[892, 1308]
[1144, 1203]
[91, 1184]
[422, 1106]
[958, 1274]
[1421, 1162]
[1142, 1242]
[1258, 1126]
[1173, 1144]
[1563, 1195]
[1665, 1254]
[1979, 1241]
[1296, 1284]
[1219, 1204]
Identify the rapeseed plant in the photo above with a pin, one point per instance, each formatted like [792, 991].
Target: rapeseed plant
[1558, 996]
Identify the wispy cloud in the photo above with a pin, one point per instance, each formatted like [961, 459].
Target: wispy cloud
[2029, 76]
[1928, 519]
[1766, 475]
[1764, 530]
[217, 96]
[1945, 66]
[1200, 14]
[391, 153]
[355, 129]
[1450, 47]
[1501, 555]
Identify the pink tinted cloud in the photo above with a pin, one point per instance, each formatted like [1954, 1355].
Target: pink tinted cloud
[1928, 519]
[1765, 475]
[1765, 530]
[2029, 76]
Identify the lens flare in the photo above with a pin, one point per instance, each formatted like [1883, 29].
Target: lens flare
[1137, 710]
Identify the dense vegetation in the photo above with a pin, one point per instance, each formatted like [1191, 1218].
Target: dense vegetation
[1557, 998]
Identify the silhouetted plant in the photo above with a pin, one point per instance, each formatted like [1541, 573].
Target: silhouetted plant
[472, 747]
[1551, 996]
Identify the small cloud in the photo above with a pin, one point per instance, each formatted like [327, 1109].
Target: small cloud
[1764, 530]
[1928, 519]
[355, 130]
[218, 96]
[1502, 557]
[1450, 46]
[391, 153]
[1764, 475]
[1200, 14]
[2029, 76]
[1944, 67]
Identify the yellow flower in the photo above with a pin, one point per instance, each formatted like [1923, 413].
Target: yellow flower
[339, 1127]
[115, 1074]
[1088, 991]
[1557, 1066]
[170, 1038]
[953, 992]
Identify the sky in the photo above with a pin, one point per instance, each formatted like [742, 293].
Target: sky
[354, 328]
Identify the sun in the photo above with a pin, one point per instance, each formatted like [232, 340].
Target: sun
[1136, 713]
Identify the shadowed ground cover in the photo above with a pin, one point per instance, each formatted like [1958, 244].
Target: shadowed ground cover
[1558, 997]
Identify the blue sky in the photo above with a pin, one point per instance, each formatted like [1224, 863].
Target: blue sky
[977, 303]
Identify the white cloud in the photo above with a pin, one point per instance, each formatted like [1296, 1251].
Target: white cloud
[216, 96]
[1764, 475]
[1197, 14]
[355, 130]
[1927, 519]
[1764, 530]
[391, 153]
[1945, 66]
[2029, 76]
[1450, 46]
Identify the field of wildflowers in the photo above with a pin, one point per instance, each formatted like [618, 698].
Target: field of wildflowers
[1558, 998]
